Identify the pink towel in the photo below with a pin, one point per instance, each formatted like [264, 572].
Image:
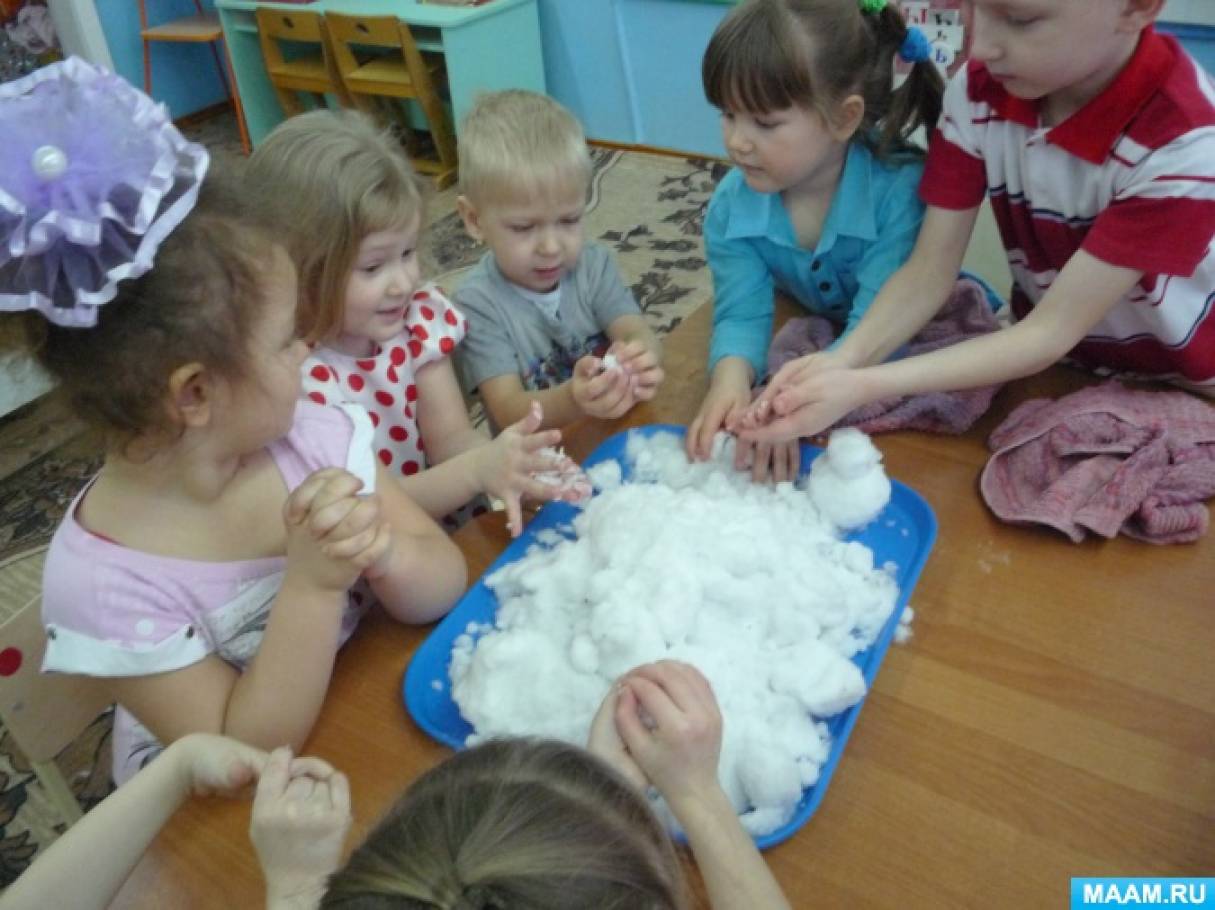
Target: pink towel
[966, 314]
[1106, 459]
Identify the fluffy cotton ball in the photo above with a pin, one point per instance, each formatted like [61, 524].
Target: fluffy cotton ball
[847, 482]
[750, 584]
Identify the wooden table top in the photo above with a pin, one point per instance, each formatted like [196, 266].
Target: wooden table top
[1052, 716]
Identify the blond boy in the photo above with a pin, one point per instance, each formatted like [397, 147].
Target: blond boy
[545, 308]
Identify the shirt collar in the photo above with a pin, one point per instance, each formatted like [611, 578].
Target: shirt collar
[755, 214]
[1091, 132]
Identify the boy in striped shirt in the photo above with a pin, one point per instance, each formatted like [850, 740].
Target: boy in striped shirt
[1094, 137]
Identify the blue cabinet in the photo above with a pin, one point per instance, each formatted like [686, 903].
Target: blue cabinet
[630, 69]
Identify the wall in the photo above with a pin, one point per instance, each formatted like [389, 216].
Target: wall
[183, 75]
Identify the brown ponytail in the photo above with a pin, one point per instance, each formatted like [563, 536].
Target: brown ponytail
[897, 113]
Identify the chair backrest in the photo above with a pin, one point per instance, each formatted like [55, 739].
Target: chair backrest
[275, 25]
[348, 32]
[290, 25]
[44, 712]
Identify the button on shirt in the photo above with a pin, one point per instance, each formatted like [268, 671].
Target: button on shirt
[753, 251]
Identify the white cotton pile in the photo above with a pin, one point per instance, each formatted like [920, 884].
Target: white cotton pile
[848, 484]
[751, 584]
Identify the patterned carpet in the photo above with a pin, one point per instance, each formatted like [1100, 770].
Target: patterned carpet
[648, 208]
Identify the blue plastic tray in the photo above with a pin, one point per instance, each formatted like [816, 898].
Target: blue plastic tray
[903, 534]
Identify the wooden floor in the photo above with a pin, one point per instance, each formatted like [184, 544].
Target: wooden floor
[1053, 715]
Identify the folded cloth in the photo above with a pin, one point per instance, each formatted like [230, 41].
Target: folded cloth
[1106, 459]
[966, 314]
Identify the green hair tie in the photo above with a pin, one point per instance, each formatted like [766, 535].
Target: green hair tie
[869, 7]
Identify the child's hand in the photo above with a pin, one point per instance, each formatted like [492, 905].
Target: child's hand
[641, 365]
[789, 376]
[301, 814]
[599, 394]
[604, 741]
[670, 723]
[211, 764]
[333, 535]
[506, 467]
[808, 405]
[729, 395]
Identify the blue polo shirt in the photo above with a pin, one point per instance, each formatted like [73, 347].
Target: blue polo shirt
[868, 234]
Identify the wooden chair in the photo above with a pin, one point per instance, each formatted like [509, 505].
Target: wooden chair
[411, 75]
[202, 28]
[44, 713]
[314, 73]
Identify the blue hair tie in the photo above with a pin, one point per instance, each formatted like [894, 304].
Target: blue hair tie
[915, 47]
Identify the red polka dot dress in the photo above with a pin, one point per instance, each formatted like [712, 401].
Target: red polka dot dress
[384, 382]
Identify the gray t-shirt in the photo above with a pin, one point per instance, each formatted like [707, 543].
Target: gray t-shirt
[510, 333]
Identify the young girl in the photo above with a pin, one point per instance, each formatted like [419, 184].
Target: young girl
[201, 577]
[512, 823]
[351, 206]
[822, 201]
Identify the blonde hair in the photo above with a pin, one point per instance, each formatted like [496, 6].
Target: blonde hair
[328, 179]
[519, 145]
[515, 823]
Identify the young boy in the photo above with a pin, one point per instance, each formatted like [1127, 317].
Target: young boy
[1095, 138]
[544, 307]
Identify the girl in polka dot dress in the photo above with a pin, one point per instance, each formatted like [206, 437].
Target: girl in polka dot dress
[201, 579]
[351, 207]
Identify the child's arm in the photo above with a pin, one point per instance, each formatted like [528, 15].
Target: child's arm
[333, 535]
[87, 865]
[1083, 293]
[903, 306]
[678, 752]
[590, 393]
[507, 402]
[422, 573]
[743, 306]
[465, 462]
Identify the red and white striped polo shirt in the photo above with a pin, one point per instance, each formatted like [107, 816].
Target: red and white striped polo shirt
[1129, 178]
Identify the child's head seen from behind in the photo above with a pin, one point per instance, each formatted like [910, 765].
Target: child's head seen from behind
[515, 823]
[821, 68]
[351, 208]
[524, 175]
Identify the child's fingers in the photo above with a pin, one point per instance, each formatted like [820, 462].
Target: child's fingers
[514, 514]
[349, 548]
[342, 486]
[300, 500]
[275, 775]
[655, 700]
[379, 547]
[359, 515]
[311, 766]
[762, 463]
[653, 376]
[542, 440]
[339, 794]
[530, 421]
[628, 721]
[677, 681]
[791, 427]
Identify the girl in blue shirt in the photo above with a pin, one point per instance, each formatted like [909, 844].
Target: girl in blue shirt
[822, 201]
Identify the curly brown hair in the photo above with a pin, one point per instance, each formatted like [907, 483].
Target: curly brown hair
[198, 304]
